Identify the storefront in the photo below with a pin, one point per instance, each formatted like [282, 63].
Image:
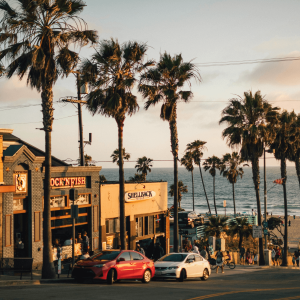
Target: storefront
[146, 212]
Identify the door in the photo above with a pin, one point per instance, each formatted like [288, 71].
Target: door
[124, 266]
[191, 267]
[137, 265]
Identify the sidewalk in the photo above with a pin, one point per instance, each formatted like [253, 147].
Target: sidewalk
[11, 279]
[264, 267]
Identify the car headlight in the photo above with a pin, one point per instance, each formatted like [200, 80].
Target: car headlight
[99, 266]
[173, 268]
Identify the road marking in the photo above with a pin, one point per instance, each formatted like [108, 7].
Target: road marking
[289, 298]
[245, 291]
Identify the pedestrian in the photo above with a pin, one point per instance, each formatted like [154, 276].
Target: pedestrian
[297, 258]
[85, 242]
[68, 242]
[255, 258]
[211, 250]
[294, 258]
[204, 253]
[219, 261]
[242, 254]
[139, 249]
[184, 243]
[195, 248]
[273, 254]
[228, 259]
[158, 251]
[248, 256]
[277, 255]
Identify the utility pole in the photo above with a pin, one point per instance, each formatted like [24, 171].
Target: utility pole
[265, 193]
[80, 122]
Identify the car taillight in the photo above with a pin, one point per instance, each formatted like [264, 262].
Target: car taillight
[189, 219]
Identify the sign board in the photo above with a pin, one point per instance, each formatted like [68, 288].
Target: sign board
[82, 200]
[57, 201]
[265, 224]
[257, 231]
[20, 183]
[133, 196]
[67, 182]
[224, 203]
[265, 231]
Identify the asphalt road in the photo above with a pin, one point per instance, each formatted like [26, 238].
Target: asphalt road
[234, 284]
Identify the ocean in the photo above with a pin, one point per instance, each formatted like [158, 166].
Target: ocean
[244, 189]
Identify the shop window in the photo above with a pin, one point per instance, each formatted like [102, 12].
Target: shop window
[146, 225]
[61, 213]
[56, 202]
[112, 225]
[8, 231]
[136, 256]
[83, 210]
[149, 225]
[37, 226]
[139, 226]
[159, 223]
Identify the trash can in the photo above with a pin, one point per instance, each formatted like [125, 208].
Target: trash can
[268, 257]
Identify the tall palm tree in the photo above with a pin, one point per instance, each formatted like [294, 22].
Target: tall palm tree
[35, 40]
[215, 226]
[111, 73]
[187, 161]
[197, 148]
[144, 166]
[230, 168]
[115, 156]
[248, 121]
[165, 82]
[240, 227]
[286, 138]
[182, 189]
[212, 164]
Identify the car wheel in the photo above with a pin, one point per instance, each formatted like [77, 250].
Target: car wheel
[147, 276]
[231, 265]
[111, 276]
[192, 225]
[205, 275]
[182, 275]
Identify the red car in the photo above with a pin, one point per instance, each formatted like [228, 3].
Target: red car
[114, 265]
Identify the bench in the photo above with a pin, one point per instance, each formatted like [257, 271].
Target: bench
[18, 264]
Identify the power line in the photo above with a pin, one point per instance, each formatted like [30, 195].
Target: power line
[21, 106]
[37, 122]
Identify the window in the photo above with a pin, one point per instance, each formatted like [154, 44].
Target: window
[37, 226]
[191, 257]
[198, 258]
[159, 223]
[140, 231]
[126, 256]
[136, 256]
[112, 225]
[151, 226]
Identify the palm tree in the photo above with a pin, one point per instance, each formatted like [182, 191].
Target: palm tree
[137, 178]
[240, 227]
[35, 40]
[115, 156]
[285, 142]
[215, 226]
[187, 161]
[165, 82]
[182, 189]
[197, 148]
[212, 164]
[248, 121]
[87, 160]
[230, 168]
[103, 178]
[111, 73]
[144, 166]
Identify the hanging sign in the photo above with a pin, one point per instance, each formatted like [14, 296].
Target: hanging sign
[20, 183]
[67, 182]
[133, 196]
[257, 231]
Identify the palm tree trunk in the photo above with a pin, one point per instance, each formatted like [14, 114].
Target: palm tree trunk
[241, 240]
[233, 200]
[174, 146]
[285, 249]
[215, 196]
[193, 190]
[204, 187]
[48, 271]
[255, 172]
[121, 186]
[297, 163]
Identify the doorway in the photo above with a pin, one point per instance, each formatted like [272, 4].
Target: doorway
[21, 242]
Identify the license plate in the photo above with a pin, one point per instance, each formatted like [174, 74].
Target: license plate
[157, 272]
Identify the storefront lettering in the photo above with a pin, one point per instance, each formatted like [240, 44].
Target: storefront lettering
[67, 181]
[139, 195]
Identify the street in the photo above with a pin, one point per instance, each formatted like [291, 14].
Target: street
[241, 283]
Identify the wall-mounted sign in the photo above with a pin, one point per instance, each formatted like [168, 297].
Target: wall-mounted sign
[18, 204]
[82, 200]
[21, 183]
[67, 182]
[133, 196]
[57, 201]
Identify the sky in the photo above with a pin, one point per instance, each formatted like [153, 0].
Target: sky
[201, 30]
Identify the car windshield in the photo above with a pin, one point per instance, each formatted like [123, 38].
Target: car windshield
[174, 257]
[105, 255]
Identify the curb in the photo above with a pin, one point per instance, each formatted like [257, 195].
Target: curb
[34, 282]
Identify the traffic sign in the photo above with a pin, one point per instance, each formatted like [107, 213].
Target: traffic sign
[257, 231]
[265, 224]
[265, 231]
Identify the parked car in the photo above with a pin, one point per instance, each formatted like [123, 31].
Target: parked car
[114, 265]
[181, 266]
[188, 218]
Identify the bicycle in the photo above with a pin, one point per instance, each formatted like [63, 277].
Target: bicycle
[229, 264]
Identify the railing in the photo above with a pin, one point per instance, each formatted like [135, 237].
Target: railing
[19, 264]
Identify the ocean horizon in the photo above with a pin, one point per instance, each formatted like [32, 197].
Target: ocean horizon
[244, 189]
